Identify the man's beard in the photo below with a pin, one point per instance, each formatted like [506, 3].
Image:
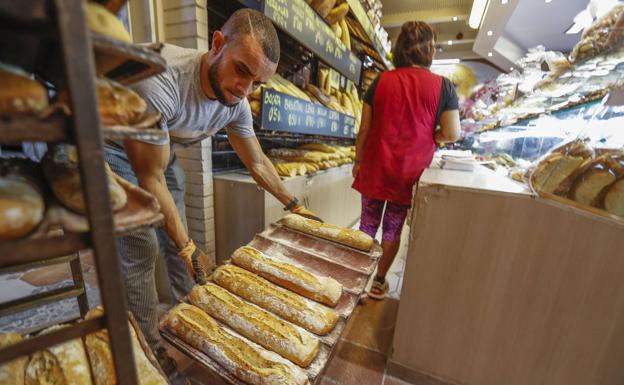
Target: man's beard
[214, 83]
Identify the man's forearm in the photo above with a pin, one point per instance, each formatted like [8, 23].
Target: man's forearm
[174, 226]
[266, 177]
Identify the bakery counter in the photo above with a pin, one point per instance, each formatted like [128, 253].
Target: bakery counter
[505, 287]
[242, 209]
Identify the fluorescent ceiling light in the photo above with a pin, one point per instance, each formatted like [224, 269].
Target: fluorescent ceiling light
[476, 15]
[547, 1]
[445, 61]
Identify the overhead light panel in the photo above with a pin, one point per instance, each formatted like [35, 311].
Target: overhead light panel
[440, 62]
[476, 15]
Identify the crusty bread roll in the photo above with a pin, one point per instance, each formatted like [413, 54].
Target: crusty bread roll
[62, 364]
[242, 358]
[60, 167]
[102, 21]
[260, 326]
[21, 201]
[101, 357]
[322, 289]
[354, 238]
[12, 372]
[20, 94]
[286, 304]
[614, 198]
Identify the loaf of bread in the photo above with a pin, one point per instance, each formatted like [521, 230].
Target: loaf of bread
[12, 372]
[614, 198]
[353, 238]
[555, 170]
[102, 21]
[245, 360]
[20, 94]
[308, 314]
[118, 105]
[60, 167]
[322, 289]
[258, 325]
[101, 357]
[62, 364]
[21, 200]
[595, 176]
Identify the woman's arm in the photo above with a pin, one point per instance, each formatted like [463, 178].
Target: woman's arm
[450, 127]
[360, 141]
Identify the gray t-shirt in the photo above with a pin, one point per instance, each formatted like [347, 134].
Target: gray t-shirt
[188, 115]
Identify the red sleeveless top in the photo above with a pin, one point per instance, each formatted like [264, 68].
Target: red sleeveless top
[400, 142]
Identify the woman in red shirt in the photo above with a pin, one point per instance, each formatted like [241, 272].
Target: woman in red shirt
[398, 137]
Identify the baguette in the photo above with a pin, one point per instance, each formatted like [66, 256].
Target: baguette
[264, 328]
[101, 357]
[353, 238]
[243, 359]
[12, 373]
[321, 289]
[302, 312]
[62, 364]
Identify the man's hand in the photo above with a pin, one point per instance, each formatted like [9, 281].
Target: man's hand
[301, 210]
[196, 262]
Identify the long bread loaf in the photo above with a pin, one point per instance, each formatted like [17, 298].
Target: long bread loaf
[308, 314]
[243, 359]
[62, 364]
[101, 357]
[12, 372]
[322, 289]
[353, 238]
[258, 325]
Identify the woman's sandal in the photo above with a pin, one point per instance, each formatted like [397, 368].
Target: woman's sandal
[379, 290]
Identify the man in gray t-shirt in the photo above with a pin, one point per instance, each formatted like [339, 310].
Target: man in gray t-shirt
[198, 94]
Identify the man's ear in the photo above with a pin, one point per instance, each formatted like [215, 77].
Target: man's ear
[218, 41]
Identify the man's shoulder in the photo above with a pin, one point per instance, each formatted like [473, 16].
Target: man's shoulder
[179, 56]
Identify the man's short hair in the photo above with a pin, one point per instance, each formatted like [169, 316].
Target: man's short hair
[247, 21]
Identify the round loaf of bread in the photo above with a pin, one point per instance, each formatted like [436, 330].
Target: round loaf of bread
[21, 208]
[20, 94]
[101, 20]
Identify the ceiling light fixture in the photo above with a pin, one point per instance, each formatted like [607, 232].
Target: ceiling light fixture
[490, 33]
[455, 18]
[490, 54]
[547, 1]
[450, 42]
[445, 61]
[511, 68]
[504, 2]
[476, 15]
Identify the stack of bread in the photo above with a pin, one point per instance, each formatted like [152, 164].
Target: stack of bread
[309, 158]
[334, 12]
[279, 84]
[347, 102]
[260, 318]
[577, 172]
[599, 36]
[77, 361]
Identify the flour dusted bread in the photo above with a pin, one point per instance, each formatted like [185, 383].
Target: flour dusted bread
[242, 358]
[19, 94]
[258, 325]
[12, 372]
[21, 201]
[62, 364]
[118, 105]
[321, 289]
[60, 167]
[101, 357]
[353, 238]
[308, 314]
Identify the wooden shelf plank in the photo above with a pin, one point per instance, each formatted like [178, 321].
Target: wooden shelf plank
[40, 299]
[24, 251]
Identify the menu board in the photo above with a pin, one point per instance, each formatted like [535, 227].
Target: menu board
[299, 20]
[282, 112]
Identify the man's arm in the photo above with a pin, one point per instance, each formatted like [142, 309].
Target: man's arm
[149, 162]
[260, 167]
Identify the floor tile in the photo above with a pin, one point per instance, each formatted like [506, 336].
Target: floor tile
[355, 365]
[372, 326]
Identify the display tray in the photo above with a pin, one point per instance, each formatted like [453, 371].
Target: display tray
[53, 126]
[315, 255]
[141, 211]
[125, 62]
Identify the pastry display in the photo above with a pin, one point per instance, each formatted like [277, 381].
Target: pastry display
[321, 289]
[292, 307]
[353, 238]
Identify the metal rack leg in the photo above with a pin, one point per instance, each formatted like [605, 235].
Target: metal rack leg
[79, 67]
[77, 276]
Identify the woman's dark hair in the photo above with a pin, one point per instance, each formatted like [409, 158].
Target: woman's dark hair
[415, 45]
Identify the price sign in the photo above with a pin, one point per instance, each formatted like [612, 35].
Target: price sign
[282, 112]
[299, 20]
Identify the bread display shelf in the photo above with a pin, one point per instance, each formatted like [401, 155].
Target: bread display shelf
[126, 63]
[317, 256]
